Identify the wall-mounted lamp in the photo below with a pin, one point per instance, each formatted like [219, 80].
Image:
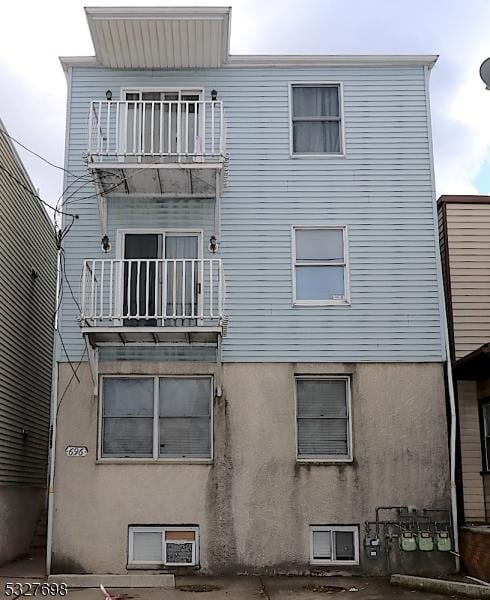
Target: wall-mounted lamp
[213, 244]
[105, 243]
[108, 95]
[214, 95]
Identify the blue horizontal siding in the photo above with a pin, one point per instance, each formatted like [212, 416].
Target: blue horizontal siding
[381, 190]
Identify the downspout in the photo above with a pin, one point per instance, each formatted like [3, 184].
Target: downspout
[446, 342]
[54, 418]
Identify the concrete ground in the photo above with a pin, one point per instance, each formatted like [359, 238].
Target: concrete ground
[236, 588]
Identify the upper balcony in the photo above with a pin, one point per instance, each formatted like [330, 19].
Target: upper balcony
[173, 146]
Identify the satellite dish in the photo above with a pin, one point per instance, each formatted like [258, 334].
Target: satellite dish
[485, 72]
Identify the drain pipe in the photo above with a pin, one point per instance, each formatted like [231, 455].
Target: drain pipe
[54, 419]
[442, 306]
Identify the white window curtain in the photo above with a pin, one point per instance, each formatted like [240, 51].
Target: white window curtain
[182, 281]
[316, 120]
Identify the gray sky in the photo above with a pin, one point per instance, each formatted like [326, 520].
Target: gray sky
[35, 33]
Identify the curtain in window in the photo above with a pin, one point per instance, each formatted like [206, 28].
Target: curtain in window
[322, 545]
[147, 546]
[180, 288]
[322, 417]
[127, 428]
[311, 133]
[185, 417]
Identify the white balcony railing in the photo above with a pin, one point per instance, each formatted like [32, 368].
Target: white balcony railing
[156, 130]
[152, 292]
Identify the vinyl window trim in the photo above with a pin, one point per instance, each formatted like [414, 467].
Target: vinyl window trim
[346, 301]
[155, 458]
[326, 458]
[333, 529]
[316, 155]
[162, 529]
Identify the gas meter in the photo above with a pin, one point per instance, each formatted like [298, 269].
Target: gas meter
[443, 541]
[408, 543]
[425, 541]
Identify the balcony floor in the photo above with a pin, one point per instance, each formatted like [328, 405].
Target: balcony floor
[140, 336]
[156, 179]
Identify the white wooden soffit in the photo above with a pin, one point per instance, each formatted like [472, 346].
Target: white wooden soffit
[160, 37]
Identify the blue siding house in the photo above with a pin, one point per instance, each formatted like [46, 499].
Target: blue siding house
[251, 304]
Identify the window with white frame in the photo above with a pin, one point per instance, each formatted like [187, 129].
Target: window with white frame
[156, 417]
[320, 265]
[316, 119]
[334, 544]
[323, 418]
[163, 546]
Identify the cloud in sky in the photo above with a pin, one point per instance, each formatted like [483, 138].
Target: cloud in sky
[34, 34]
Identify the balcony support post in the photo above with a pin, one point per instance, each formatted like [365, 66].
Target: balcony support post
[217, 206]
[93, 360]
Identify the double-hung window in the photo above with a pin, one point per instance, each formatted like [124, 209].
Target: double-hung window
[316, 116]
[156, 417]
[320, 266]
[324, 426]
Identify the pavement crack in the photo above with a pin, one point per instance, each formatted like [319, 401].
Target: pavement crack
[263, 590]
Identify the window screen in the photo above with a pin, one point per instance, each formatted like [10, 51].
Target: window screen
[127, 427]
[323, 418]
[334, 544]
[180, 410]
[185, 417]
[319, 265]
[316, 119]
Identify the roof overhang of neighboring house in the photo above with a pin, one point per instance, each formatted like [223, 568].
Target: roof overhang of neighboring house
[474, 366]
[160, 37]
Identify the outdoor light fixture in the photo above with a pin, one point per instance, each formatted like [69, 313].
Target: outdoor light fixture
[105, 243]
[214, 95]
[108, 95]
[213, 244]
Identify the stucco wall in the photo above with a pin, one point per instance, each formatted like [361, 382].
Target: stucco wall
[19, 512]
[254, 504]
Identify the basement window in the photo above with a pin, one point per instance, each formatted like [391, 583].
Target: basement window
[157, 546]
[334, 545]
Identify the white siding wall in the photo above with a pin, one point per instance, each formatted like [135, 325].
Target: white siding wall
[381, 190]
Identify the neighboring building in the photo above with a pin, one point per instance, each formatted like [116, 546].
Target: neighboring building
[27, 306]
[260, 353]
[464, 225]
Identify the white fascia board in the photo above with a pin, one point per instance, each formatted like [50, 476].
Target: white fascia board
[152, 12]
[286, 60]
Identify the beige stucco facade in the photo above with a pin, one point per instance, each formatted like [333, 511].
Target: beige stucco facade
[254, 502]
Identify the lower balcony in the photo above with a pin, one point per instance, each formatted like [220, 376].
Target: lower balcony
[152, 301]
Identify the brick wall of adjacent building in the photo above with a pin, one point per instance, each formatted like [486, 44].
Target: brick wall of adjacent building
[475, 551]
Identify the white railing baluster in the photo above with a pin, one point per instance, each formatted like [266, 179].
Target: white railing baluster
[138, 281]
[203, 133]
[212, 128]
[193, 286]
[135, 118]
[187, 128]
[164, 290]
[108, 128]
[116, 135]
[152, 129]
[111, 307]
[169, 148]
[211, 288]
[174, 289]
[104, 293]
[179, 128]
[147, 287]
[160, 149]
